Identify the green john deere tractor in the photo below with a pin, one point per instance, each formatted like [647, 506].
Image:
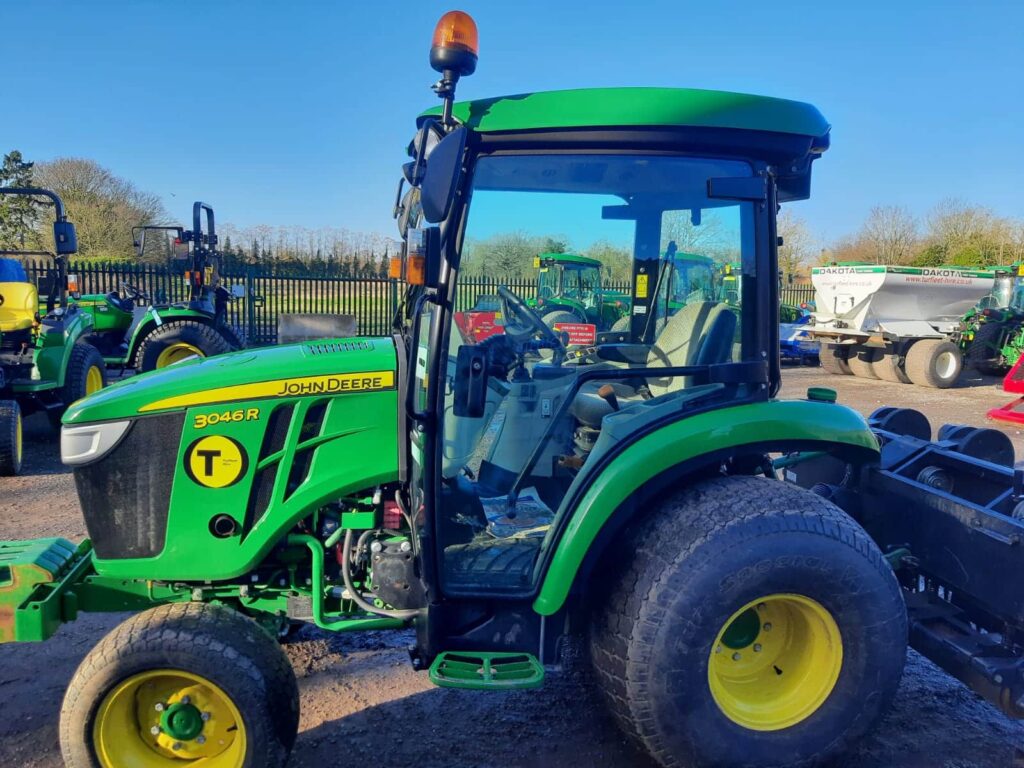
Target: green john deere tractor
[569, 291]
[991, 334]
[134, 330]
[46, 362]
[740, 571]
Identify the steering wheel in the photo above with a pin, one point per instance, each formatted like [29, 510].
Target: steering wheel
[133, 292]
[527, 323]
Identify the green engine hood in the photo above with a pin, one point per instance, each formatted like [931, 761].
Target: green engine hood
[327, 367]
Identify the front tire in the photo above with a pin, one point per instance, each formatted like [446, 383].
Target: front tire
[174, 342]
[182, 682]
[683, 646]
[11, 440]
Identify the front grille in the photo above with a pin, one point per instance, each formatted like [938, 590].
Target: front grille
[125, 495]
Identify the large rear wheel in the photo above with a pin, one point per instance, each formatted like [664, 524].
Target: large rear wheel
[753, 623]
[11, 440]
[984, 352]
[181, 684]
[175, 342]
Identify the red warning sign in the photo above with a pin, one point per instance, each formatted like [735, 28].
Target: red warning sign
[580, 334]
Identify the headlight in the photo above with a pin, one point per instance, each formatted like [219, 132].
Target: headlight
[84, 444]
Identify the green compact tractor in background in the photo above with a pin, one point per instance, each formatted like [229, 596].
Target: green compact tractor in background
[134, 330]
[991, 334]
[740, 572]
[569, 291]
[46, 362]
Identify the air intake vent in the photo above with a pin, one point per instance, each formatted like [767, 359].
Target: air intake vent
[125, 495]
[327, 348]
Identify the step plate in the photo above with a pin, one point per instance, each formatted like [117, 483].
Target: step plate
[486, 671]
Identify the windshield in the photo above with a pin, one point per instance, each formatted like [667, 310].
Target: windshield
[561, 387]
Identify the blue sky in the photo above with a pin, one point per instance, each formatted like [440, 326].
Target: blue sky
[298, 112]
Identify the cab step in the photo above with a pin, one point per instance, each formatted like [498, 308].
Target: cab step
[487, 671]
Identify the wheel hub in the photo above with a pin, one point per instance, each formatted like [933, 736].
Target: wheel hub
[181, 721]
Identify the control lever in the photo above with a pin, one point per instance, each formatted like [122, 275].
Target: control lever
[607, 393]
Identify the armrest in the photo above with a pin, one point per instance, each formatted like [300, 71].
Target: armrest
[634, 354]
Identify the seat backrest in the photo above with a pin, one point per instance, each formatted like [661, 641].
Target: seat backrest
[19, 307]
[680, 342]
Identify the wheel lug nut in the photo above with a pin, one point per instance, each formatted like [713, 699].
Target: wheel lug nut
[155, 730]
[205, 716]
[760, 606]
[757, 647]
[718, 649]
[736, 656]
[159, 707]
[200, 739]
[767, 627]
[186, 700]
[176, 745]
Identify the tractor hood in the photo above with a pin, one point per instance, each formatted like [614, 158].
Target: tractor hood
[308, 368]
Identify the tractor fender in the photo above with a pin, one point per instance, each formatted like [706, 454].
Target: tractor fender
[167, 315]
[671, 454]
[52, 359]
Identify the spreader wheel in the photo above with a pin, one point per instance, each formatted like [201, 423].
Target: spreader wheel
[833, 359]
[181, 684]
[861, 361]
[887, 368]
[751, 623]
[11, 440]
[934, 363]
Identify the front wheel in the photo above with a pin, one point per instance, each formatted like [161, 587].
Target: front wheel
[175, 342]
[755, 623]
[180, 684]
[10, 438]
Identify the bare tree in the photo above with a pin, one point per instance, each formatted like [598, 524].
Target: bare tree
[890, 232]
[798, 247]
[103, 206]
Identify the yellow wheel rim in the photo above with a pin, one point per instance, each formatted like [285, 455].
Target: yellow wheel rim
[177, 352]
[18, 440]
[775, 662]
[168, 718]
[93, 380]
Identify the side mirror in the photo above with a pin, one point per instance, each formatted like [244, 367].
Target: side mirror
[441, 179]
[65, 238]
[470, 382]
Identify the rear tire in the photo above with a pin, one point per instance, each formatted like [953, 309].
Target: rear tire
[934, 363]
[222, 660]
[175, 341]
[984, 352]
[696, 571]
[861, 361]
[833, 359]
[86, 373]
[887, 368]
[11, 440]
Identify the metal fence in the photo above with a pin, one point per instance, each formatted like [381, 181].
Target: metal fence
[371, 301]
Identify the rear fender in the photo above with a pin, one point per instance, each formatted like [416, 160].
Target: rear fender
[672, 455]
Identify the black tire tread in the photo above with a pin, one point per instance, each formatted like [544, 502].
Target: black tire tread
[685, 522]
[213, 633]
[205, 336]
[10, 414]
[83, 357]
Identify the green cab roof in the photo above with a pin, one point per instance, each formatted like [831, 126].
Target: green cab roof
[635, 107]
[570, 258]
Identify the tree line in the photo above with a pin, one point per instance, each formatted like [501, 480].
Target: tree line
[105, 207]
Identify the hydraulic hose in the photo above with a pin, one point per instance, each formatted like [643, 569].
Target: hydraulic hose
[356, 597]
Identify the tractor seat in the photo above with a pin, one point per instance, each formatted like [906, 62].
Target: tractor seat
[699, 334]
[124, 304]
[20, 302]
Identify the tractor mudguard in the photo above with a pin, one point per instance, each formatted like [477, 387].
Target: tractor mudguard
[54, 352]
[686, 445]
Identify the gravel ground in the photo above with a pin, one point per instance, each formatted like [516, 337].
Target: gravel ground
[361, 699]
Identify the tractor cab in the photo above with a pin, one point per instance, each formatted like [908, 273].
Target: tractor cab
[569, 290]
[507, 435]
